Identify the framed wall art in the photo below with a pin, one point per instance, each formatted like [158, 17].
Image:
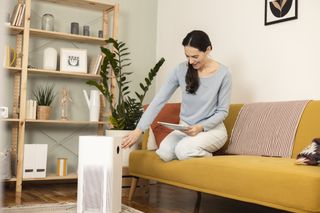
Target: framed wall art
[73, 60]
[280, 10]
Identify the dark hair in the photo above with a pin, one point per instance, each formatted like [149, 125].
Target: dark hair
[200, 40]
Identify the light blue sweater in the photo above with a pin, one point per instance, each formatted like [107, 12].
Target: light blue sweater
[208, 107]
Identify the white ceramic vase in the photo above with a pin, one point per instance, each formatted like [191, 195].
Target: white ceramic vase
[50, 56]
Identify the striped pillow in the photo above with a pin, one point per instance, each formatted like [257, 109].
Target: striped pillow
[266, 129]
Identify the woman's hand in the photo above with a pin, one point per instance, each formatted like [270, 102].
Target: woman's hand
[131, 138]
[194, 130]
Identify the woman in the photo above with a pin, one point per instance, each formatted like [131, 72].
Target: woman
[206, 88]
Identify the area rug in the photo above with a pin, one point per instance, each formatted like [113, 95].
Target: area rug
[55, 208]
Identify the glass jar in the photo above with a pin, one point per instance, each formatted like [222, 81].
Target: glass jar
[47, 22]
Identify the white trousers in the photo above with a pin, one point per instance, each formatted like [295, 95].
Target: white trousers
[178, 145]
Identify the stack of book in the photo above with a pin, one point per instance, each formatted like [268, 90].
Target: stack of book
[17, 15]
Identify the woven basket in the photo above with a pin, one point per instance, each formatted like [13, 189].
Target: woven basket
[43, 112]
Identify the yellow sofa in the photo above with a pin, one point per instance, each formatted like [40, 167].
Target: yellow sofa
[268, 181]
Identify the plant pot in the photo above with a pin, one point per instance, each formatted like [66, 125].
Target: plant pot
[43, 112]
[117, 136]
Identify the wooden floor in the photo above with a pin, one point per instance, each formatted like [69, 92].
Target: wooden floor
[162, 198]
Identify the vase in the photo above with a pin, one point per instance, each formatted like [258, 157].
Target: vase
[118, 135]
[74, 28]
[86, 30]
[43, 112]
[47, 22]
[100, 34]
[50, 57]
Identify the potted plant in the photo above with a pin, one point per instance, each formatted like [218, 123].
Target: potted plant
[44, 96]
[126, 111]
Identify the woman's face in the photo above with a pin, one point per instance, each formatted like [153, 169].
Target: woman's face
[196, 57]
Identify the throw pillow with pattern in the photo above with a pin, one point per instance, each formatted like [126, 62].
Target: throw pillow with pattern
[311, 154]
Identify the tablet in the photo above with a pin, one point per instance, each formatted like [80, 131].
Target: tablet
[173, 126]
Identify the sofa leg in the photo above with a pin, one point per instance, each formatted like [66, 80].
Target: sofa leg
[133, 187]
[198, 203]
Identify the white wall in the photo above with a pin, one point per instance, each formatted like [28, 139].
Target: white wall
[138, 25]
[268, 63]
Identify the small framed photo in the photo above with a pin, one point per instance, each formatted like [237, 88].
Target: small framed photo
[280, 10]
[73, 60]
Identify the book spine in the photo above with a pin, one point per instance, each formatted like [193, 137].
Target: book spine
[15, 14]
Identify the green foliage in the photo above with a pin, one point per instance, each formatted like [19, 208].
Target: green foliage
[127, 111]
[44, 95]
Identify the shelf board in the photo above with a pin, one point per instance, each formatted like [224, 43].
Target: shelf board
[88, 4]
[66, 36]
[13, 30]
[64, 74]
[49, 177]
[10, 119]
[13, 69]
[65, 122]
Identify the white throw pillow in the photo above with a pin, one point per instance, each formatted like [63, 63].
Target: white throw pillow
[151, 145]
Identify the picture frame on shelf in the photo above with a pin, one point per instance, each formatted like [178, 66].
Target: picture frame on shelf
[73, 60]
[280, 11]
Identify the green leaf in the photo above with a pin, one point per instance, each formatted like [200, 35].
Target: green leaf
[142, 87]
[147, 81]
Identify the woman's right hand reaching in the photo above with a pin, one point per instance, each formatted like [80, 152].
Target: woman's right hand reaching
[131, 138]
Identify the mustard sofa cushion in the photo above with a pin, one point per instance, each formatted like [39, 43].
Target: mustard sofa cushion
[274, 182]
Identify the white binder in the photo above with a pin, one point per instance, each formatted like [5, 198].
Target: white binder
[35, 160]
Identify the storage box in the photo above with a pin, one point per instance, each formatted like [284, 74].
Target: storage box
[35, 160]
[99, 175]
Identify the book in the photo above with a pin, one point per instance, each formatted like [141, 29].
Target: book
[31, 110]
[21, 16]
[15, 14]
[95, 64]
[174, 126]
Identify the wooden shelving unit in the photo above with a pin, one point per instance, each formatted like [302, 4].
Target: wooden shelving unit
[21, 74]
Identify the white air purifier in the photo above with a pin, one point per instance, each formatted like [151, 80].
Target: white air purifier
[99, 175]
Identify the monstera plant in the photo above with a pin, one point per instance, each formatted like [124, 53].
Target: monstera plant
[126, 111]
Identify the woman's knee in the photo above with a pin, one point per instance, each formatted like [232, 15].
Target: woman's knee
[183, 152]
[166, 155]
[186, 151]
